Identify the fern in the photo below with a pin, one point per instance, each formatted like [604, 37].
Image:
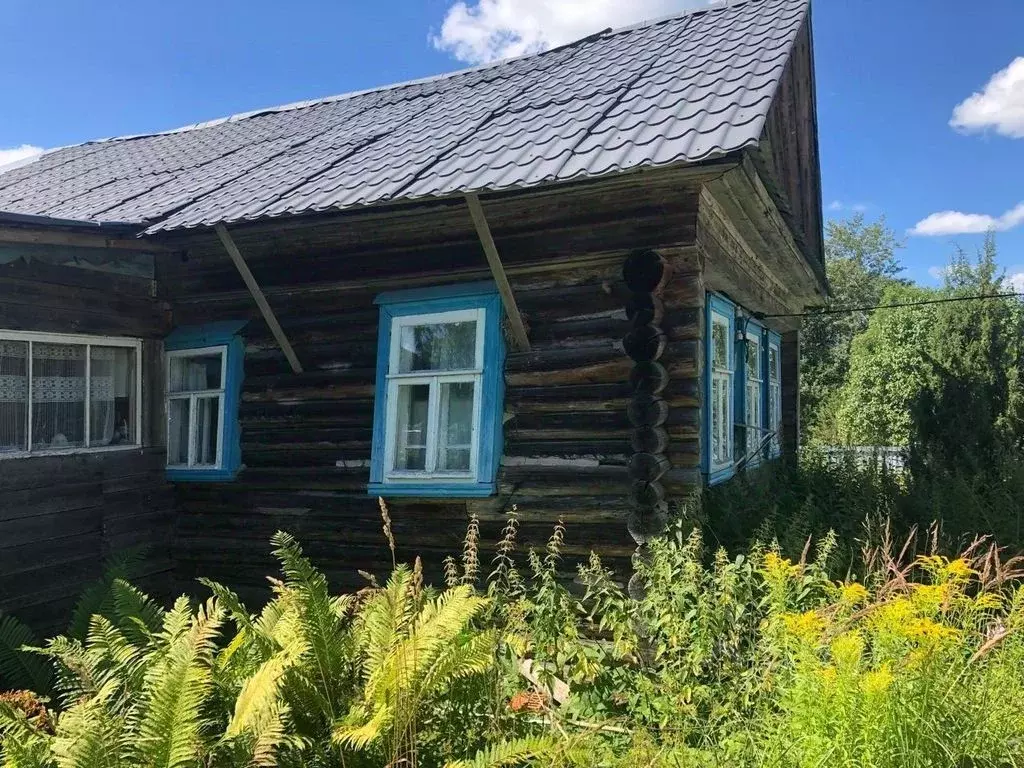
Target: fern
[19, 669]
[168, 724]
[98, 598]
[88, 733]
[517, 753]
[22, 745]
[323, 640]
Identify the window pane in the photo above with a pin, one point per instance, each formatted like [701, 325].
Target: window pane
[773, 363]
[720, 426]
[411, 442]
[720, 343]
[456, 437]
[195, 373]
[13, 396]
[753, 359]
[753, 417]
[58, 396]
[177, 431]
[112, 414]
[441, 347]
[207, 427]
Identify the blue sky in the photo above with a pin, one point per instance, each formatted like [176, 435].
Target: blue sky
[890, 74]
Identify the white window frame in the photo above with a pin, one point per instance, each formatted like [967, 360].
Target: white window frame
[193, 396]
[775, 397]
[88, 341]
[753, 418]
[434, 379]
[726, 376]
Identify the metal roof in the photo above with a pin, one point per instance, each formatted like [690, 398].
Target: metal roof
[678, 90]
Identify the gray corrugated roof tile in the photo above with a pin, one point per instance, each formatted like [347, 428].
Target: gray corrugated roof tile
[678, 90]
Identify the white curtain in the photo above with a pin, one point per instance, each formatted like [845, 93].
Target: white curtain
[13, 395]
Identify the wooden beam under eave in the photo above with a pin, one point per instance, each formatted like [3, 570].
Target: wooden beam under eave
[28, 236]
[257, 294]
[508, 299]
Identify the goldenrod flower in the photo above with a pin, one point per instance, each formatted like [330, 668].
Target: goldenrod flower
[806, 626]
[877, 681]
[853, 594]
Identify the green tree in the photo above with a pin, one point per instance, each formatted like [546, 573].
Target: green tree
[888, 371]
[861, 262]
[972, 413]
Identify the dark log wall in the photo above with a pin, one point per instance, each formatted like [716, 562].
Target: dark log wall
[62, 517]
[792, 131]
[306, 438]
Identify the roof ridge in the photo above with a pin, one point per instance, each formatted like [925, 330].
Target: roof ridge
[712, 6]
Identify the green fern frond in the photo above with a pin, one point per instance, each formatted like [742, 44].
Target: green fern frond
[135, 613]
[98, 598]
[324, 637]
[259, 696]
[168, 725]
[21, 744]
[88, 733]
[19, 669]
[518, 752]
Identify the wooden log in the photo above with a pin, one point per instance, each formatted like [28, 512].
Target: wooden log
[649, 440]
[648, 466]
[645, 343]
[645, 494]
[644, 309]
[648, 377]
[646, 410]
[644, 525]
[645, 271]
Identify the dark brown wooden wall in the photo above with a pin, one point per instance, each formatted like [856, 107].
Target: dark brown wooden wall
[307, 438]
[62, 517]
[792, 133]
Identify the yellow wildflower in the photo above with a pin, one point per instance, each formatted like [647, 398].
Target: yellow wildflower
[853, 594]
[828, 675]
[893, 617]
[877, 680]
[806, 626]
[931, 596]
[847, 650]
[959, 570]
[776, 566]
[926, 629]
[989, 601]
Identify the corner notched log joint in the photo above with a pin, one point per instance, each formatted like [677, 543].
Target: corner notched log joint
[645, 274]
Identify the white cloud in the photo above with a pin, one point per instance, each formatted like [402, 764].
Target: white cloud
[1000, 105]
[838, 206]
[484, 30]
[957, 223]
[1016, 282]
[937, 273]
[17, 154]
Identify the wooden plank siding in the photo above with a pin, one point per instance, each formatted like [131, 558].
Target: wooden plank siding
[61, 517]
[307, 437]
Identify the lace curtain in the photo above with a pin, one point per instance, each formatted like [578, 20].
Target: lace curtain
[59, 395]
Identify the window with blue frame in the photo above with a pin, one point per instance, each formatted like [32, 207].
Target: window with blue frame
[773, 422]
[205, 368]
[743, 381]
[439, 395]
[753, 391]
[721, 324]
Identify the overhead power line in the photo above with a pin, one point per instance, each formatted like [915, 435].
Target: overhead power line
[849, 310]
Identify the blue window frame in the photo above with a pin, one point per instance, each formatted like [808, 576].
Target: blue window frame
[719, 382]
[205, 369]
[439, 398]
[773, 391]
[751, 393]
[742, 387]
